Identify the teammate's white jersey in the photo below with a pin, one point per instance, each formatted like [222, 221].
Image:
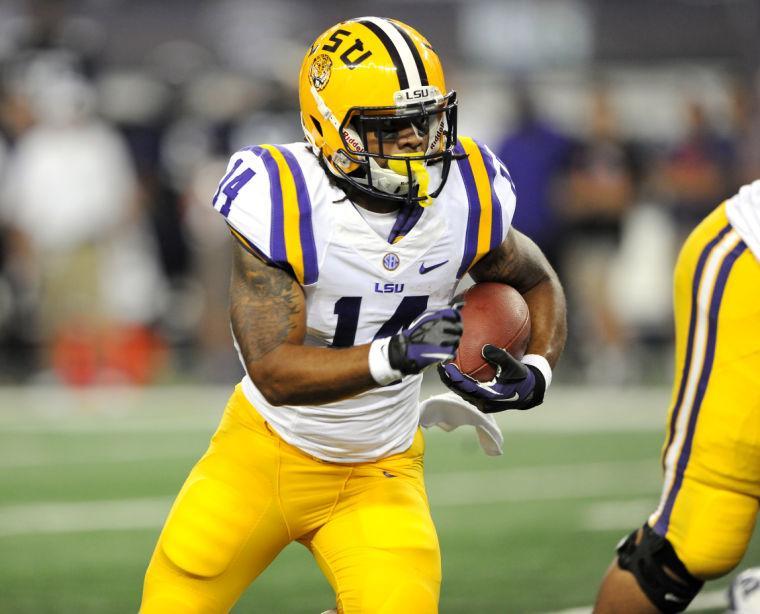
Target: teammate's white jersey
[743, 211]
[281, 205]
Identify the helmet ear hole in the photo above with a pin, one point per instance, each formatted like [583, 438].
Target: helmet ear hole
[317, 124]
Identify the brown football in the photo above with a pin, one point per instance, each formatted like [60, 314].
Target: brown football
[493, 313]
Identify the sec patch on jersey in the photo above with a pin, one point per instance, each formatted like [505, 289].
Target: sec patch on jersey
[493, 313]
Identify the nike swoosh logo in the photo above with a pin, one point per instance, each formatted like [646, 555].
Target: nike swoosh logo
[514, 397]
[426, 269]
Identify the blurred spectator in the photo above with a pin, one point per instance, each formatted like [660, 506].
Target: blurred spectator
[698, 171]
[69, 195]
[18, 330]
[535, 154]
[746, 128]
[194, 152]
[141, 107]
[206, 298]
[600, 187]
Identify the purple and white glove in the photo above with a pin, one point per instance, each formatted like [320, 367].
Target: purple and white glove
[432, 338]
[517, 385]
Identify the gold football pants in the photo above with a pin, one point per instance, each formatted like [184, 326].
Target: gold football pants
[711, 455]
[368, 525]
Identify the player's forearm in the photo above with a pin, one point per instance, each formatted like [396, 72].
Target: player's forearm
[520, 263]
[303, 375]
[548, 315]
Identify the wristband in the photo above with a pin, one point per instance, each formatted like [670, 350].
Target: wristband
[540, 363]
[380, 365]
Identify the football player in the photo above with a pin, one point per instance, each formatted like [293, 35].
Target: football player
[711, 455]
[347, 251]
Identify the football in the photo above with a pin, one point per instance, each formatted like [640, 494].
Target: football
[493, 313]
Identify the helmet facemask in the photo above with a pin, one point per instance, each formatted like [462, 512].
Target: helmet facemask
[415, 177]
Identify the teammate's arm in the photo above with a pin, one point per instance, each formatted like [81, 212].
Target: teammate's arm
[268, 315]
[519, 262]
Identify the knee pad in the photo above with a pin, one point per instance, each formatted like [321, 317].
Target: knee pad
[206, 528]
[650, 561]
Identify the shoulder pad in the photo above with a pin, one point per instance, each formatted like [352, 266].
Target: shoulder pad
[265, 199]
[490, 199]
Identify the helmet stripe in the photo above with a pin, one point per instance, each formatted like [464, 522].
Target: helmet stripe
[415, 53]
[391, 49]
[398, 49]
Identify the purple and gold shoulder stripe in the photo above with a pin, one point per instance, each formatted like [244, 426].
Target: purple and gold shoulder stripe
[484, 229]
[291, 235]
[711, 275]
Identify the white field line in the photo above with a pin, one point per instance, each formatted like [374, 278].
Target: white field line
[126, 424]
[85, 516]
[194, 408]
[552, 482]
[470, 488]
[28, 460]
[185, 410]
[623, 515]
[707, 600]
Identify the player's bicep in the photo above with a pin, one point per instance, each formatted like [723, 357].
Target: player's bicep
[267, 306]
[518, 261]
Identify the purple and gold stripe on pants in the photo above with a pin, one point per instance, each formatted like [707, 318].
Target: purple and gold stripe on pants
[711, 274]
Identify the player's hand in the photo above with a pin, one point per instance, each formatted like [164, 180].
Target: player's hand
[432, 338]
[515, 386]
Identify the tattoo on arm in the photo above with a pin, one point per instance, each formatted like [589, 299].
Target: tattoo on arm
[266, 306]
[517, 262]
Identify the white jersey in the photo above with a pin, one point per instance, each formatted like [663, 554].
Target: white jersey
[281, 205]
[743, 211]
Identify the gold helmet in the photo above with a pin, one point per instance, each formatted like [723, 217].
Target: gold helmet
[371, 77]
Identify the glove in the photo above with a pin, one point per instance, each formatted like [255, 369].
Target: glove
[515, 386]
[432, 337]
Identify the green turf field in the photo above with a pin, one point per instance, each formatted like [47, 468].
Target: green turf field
[86, 480]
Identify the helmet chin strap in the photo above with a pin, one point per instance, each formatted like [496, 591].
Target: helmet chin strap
[386, 179]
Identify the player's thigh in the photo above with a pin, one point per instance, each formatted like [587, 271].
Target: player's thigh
[382, 554]
[711, 455]
[224, 528]
[710, 528]
[712, 467]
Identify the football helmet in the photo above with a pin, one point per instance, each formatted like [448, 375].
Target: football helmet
[366, 84]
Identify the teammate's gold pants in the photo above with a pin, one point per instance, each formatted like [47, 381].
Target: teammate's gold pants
[711, 455]
[368, 525]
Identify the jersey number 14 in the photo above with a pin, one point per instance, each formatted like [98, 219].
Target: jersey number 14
[347, 310]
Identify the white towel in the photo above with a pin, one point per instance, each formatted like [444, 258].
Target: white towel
[448, 411]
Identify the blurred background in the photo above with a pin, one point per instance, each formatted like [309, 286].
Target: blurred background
[622, 123]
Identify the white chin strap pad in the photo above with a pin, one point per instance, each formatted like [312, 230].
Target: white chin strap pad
[386, 180]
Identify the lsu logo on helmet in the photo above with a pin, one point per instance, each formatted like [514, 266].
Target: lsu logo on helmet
[319, 73]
